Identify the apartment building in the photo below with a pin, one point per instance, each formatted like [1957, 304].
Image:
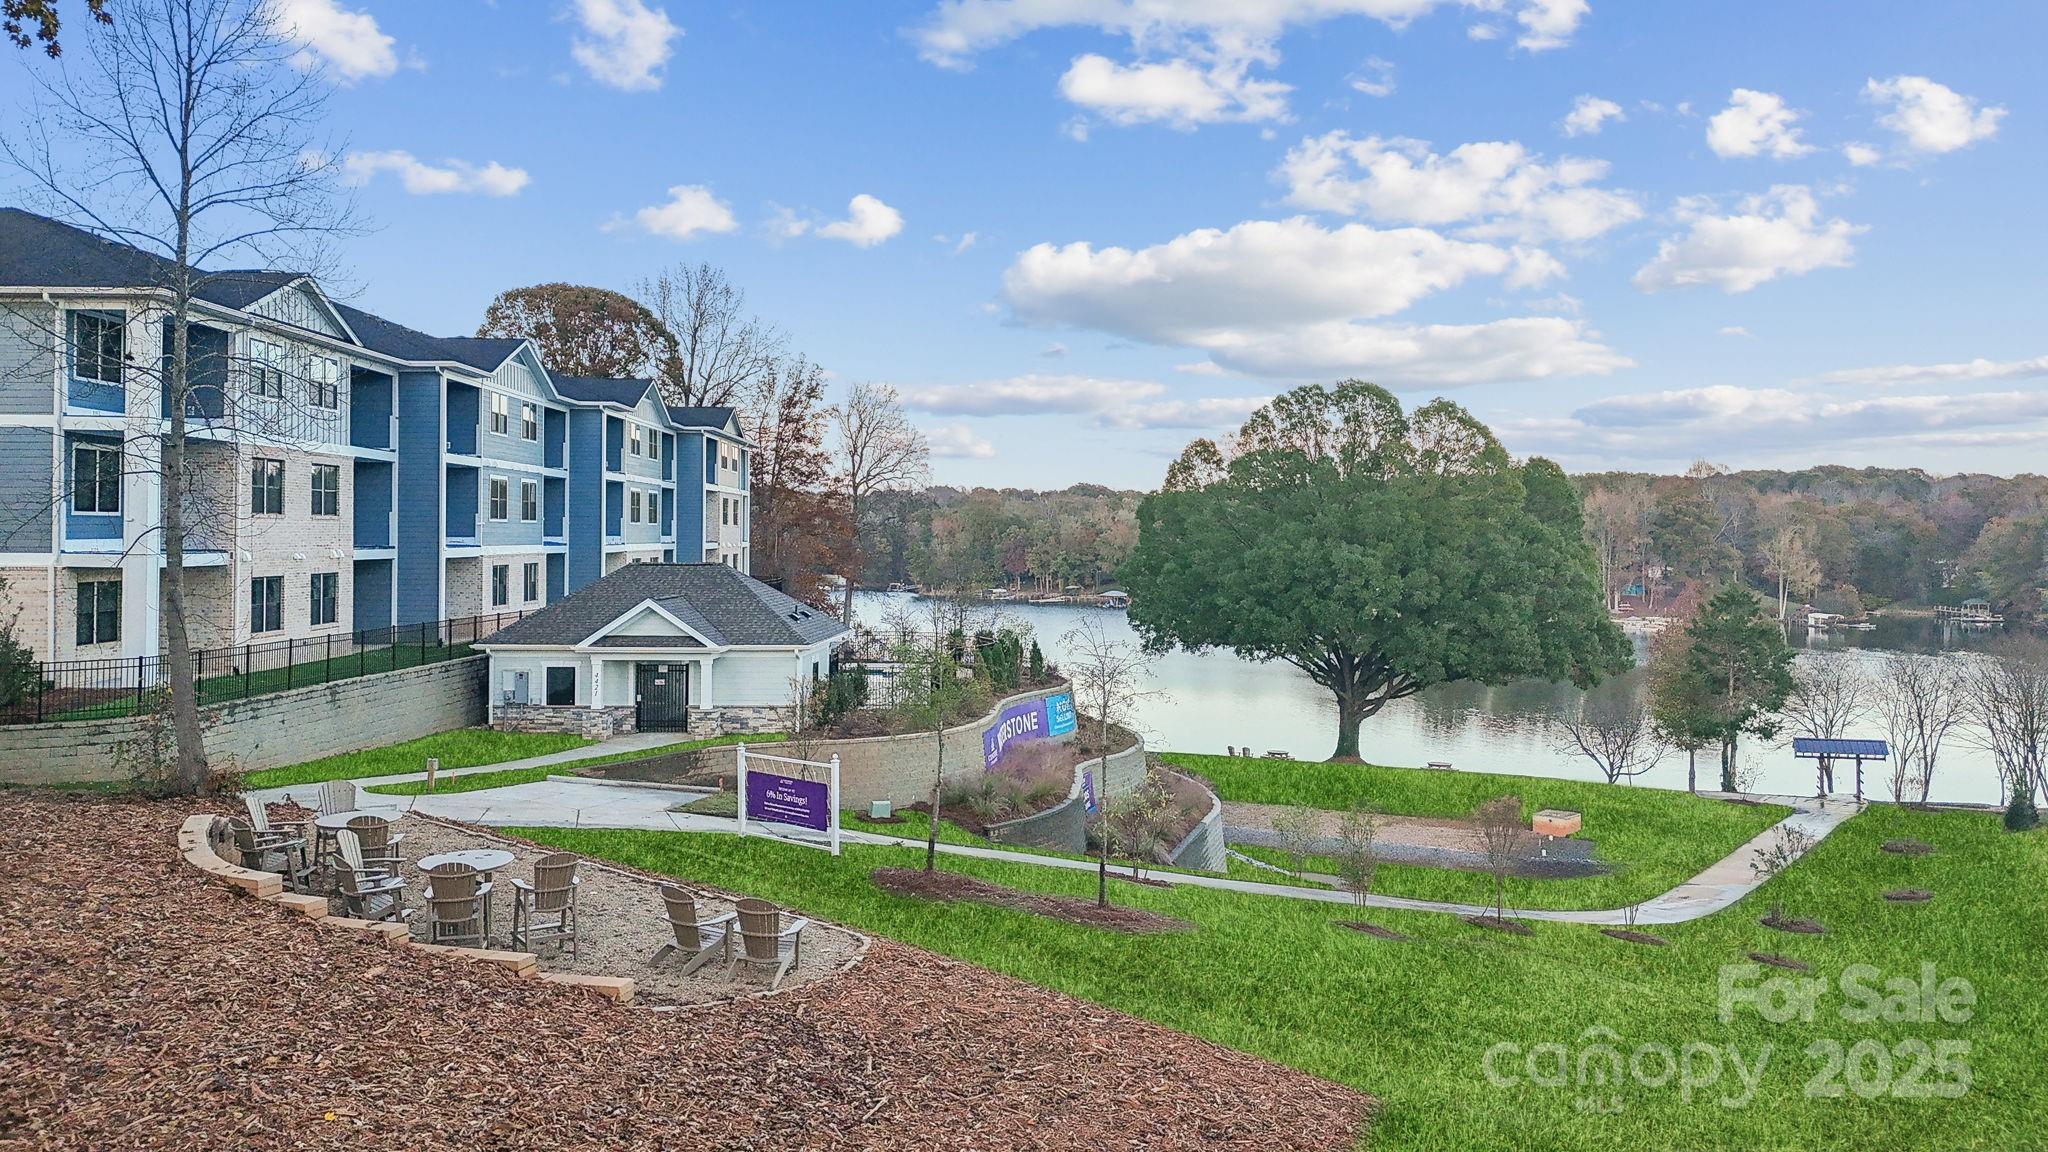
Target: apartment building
[350, 472]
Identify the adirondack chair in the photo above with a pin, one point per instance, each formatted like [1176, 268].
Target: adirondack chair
[696, 939]
[546, 908]
[455, 896]
[379, 844]
[766, 941]
[265, 839]
[369, 891]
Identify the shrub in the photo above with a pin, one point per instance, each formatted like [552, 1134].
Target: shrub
[845, 690]
[2020, 814]
[1037, 664]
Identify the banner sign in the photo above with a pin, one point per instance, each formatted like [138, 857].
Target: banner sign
[1027, 720]
[1088, 792]
[776, 799]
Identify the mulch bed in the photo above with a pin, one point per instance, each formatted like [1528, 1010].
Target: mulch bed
[143, 1009]
[1777, 961]
[1513, 927]
[1909, 895]
[1906, 847]
[1635, 937]
[1372, 930]
[949, 886]
[1798, 924]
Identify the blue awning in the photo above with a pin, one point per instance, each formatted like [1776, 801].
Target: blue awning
[1867, 749]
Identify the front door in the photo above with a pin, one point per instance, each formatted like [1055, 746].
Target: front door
[662, 693]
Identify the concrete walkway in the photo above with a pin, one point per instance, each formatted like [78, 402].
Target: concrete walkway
[561, 802]
[307, 794]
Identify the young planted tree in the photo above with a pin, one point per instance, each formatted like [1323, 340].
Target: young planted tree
[878, 449]
[1620, 739]
[1358, 866]
[1737, 673]
[1109, 678]
[1378, 551]
[192, 132]
[1922, 699]
[930, 690]
[1827, 701]
[1506, 840]
[1681, 710]
[1296, 827]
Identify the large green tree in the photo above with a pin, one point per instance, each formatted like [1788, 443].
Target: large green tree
[583, 331]
[1735, 674]
[1378, 551]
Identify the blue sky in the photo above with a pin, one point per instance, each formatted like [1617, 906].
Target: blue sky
[1089, 230]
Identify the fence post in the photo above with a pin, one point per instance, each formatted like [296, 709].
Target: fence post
[290, 647]
[362, 654]
[42, 681]
[423, 641]
[248, 667]
[138, 685]
[327, 673]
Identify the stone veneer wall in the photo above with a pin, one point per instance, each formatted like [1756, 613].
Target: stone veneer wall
[268, 731]
[899, 768]
[589, 723]
[1203, 846]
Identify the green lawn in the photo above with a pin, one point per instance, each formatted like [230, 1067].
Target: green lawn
[310, 668]
[1652, 838]
[1412, 1022]
[478, 781]
[459, 748]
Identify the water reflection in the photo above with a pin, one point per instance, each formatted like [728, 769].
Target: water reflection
[1209, 701]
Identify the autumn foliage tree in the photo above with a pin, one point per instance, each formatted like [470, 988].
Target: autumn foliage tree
[583, 331]
[799, 524]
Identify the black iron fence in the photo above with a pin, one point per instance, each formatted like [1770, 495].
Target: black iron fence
[125, 686]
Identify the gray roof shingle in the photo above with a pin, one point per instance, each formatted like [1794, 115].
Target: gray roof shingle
[713, 417]
[625, 391]
[38, 252]
[724, 605]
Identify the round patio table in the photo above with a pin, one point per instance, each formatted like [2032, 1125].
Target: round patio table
[336, 821]
[484, 860]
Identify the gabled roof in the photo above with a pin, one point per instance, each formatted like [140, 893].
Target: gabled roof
[486, 353]
[624, 391]
[38, 252]
[719, 418]
[719, 603]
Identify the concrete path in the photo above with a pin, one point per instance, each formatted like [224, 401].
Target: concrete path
[561, 802]
[638, 742]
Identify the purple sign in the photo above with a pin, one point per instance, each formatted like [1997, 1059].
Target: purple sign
[1028, 720]
[1088, 792]
[774, 799]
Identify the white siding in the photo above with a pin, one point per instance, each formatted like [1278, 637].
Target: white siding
[753, 679]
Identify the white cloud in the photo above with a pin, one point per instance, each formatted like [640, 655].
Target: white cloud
[423, 179]
[1054, 351]
[1931, 118]
[1861, 155]
[965, 242]
[1494, 189]
[868, 222]
[691, 209]
[1202, 368]
[958, 442]
[1435, 355]
[1483, 32]
[1780, 233]
[1375, 77]
[624, 44]
[1548, 24]
[1179, 93]
[1735, 330]
[1755, 124]
[1589, 114]
[1109, 402]
[1906, 375]
[1731, 421]
[348, 42]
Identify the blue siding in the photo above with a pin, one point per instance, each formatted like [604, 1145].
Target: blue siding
[463, 494]
[463, 413]
[511, 530]
[555, 437]
[373, 491]
[420, 432]
[373, 594]
[557, 576]
[586, 496]
[692, 461]
[369, 412]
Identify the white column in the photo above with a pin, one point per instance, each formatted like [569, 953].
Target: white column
[141, 499]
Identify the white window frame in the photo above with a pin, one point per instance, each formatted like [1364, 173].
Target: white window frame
[529, 421]
[323, 383]
[314, 602]
[632, 505]
[498, 499]
[313, 489]
[529, 501]
[529, 581]
[117, 322]
[501, 585]
[266, 368]
[267, 509]
[98, 487]
[634, 443]
[257, 626]
[501, 414]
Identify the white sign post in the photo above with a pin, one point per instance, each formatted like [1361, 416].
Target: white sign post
[788, 800]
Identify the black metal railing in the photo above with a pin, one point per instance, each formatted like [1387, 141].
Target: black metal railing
[113, 687]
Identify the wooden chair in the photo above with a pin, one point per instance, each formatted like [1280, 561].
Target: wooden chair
[289, 841]
[256, 850]
[368, 891]
[546, 908]
[455, 896]
[378, 843]
[695, 938]
[766, 941]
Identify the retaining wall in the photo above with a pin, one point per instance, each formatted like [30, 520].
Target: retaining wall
[267, 731]
[899, 768]
[1066, 826]
[1203, 847]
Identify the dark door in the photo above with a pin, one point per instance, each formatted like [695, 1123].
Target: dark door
[662, 692]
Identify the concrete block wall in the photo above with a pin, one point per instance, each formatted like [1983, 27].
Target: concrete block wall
[899, 768]
[268, 731]
[1203, 846]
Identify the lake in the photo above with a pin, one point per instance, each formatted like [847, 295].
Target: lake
[1207, 702]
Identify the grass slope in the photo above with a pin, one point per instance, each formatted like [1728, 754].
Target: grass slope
[459, 748]
[1412, 1022]
[1652, 838]
[478, 781]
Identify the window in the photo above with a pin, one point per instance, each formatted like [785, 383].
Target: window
[326, 597]
[561, 687]
[501, 585]
[95, 478]
[323, 382]
[326, 489]
[633, 505]
[98, 343]
[633, 443]
[266, 487]
[99, 612]
[529, 422]
[266, 604]
[501, 498]
[501, 414]
[266, 369]
[531, 580]
[529, 500]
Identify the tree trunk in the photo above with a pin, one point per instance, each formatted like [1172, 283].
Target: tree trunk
[1349, 716]
[1727, 765]
[1692, 771]
[931, 835]
[1102, 807]
[189, 775]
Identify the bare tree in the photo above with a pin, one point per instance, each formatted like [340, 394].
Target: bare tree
[1922, 699]
[717, 349]
[1358, 865]
[1108, 675]
[1296, 826]
[2007, 692]
[1617, 524]
[1786, 558]
[1828, 699]
[878, 449]
[192, 134]
[931, 689]
[1505, 838]
[1619, 740]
